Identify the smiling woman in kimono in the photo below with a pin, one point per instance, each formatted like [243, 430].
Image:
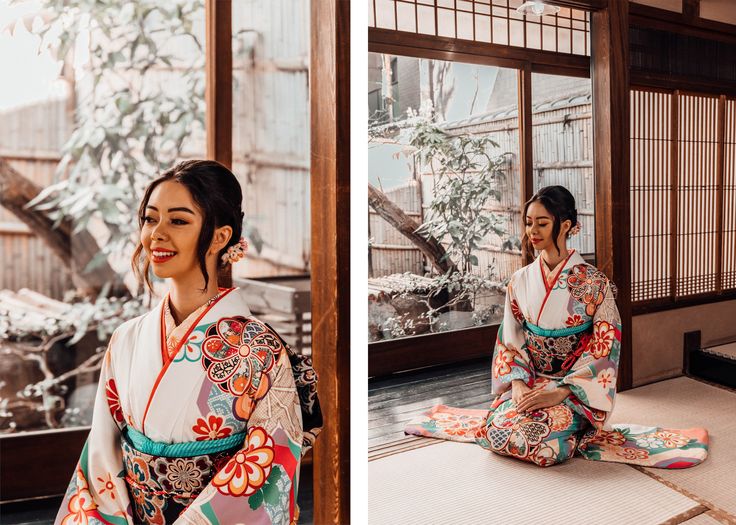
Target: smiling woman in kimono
[203, 413]
[555, 363]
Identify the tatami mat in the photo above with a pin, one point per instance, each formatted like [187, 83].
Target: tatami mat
[728, 350]
[463, 483]
[685, 403]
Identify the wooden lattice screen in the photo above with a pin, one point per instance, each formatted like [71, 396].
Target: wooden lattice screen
[683, 194]
[696, 194]
[490, 21]
[651, 199]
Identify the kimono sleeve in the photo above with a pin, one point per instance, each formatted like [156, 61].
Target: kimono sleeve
[258, 485]
[97, 489]
[510, 359]
[592, 378]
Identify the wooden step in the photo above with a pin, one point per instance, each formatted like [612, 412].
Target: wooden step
[712, 362]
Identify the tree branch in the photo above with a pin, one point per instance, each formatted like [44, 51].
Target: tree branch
[15, 192]
[407, 226]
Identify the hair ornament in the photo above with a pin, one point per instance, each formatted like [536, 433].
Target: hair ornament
[574, 230]
[235, 252]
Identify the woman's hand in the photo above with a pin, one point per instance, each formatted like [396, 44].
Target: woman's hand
[542, 399]
[519, 390]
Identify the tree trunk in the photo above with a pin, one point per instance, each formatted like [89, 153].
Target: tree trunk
[407, 226]
[15, 192]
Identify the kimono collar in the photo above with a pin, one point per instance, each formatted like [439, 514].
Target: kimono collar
[550, 276]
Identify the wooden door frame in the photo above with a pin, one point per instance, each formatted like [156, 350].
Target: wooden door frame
[329, 89]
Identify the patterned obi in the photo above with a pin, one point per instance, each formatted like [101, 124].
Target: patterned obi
[553, 352]
[163, 479]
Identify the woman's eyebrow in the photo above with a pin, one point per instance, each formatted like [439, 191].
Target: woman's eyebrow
[172, 209]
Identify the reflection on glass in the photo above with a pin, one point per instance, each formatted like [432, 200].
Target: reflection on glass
[271, 134]
[89, 129]
[443, 184]
[563, 147]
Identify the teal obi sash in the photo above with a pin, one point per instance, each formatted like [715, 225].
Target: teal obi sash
[561, 332]
[143, 443]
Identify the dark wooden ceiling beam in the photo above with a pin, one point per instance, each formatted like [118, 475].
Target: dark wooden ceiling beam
[651, 17]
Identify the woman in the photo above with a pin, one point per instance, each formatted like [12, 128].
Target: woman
[555, 363]
[202, 412]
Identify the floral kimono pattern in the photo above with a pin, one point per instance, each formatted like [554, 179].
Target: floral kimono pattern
[204, 422]
[561, 327]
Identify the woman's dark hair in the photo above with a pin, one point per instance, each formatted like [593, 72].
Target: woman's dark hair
[558, 201]
[218, 195]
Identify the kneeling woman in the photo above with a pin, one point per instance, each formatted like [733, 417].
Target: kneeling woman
[197, 417]
[556, 356]
[555, 363]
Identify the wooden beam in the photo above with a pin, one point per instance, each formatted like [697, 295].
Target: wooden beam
[690, 10]
[24, 453]
[586, 5]
[668, 82]
[526, 151]
[444, 48]
[652, 17]
[219, 81]
[610, 81]
[408, 353]
[330, 213]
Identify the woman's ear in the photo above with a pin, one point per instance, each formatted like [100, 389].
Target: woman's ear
[220, 238]
[565, 227]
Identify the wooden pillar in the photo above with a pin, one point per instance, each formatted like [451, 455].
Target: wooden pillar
[526, 156]
[330, 211]
[218, 93]
[610, 79]
[219, 81]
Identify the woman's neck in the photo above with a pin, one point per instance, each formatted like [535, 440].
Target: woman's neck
[551, 258]
[186, 297]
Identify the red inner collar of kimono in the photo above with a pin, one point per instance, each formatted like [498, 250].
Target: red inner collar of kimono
[168, 358]
[548, 286]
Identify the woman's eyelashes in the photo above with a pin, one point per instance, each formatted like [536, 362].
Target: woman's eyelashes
[150, 220]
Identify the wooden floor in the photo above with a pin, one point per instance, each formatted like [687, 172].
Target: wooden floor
[394, 401]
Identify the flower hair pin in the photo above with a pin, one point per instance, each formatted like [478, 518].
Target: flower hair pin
[235, 252]
[574, 230]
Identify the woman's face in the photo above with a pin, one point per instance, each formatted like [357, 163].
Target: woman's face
[539, 224]
[171, 227]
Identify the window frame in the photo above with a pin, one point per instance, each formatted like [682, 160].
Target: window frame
[398, 355]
